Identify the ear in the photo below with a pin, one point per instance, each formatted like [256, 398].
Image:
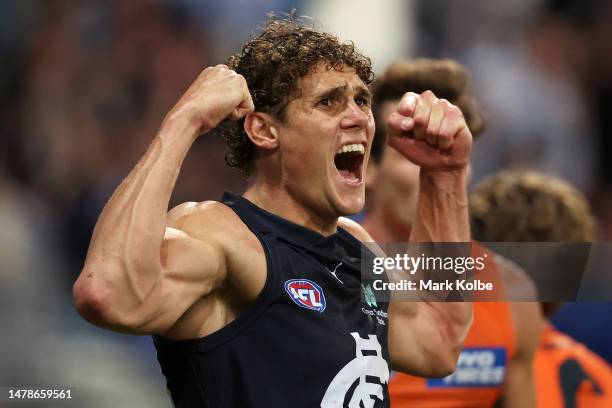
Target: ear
[260, 129]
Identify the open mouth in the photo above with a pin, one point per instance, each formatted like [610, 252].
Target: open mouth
[349, 160]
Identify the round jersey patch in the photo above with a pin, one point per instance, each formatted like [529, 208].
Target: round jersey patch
[306, 293]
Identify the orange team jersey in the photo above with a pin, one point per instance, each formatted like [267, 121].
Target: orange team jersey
[478, 379]
[481, 368]
[570, 375]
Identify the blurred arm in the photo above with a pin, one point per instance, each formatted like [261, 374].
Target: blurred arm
[519, 384]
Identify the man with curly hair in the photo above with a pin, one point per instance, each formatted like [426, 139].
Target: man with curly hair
[254, 301]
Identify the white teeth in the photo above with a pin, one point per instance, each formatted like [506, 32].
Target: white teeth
[357, 147]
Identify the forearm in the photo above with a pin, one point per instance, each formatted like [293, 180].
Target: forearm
[419, 339]
[124, 255]
[442, 208]
[442, 216]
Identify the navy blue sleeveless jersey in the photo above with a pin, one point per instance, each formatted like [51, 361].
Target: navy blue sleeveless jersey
[308, 340]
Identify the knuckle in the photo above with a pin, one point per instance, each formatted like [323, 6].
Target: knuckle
[432, 132]
[454, 110]
[446, 134]
[410, 99]
[445, 104]
[429, 96]
[206, 72]
[420, 120]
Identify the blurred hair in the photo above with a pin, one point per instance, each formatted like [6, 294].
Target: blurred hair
[525, 206]
[446, 78]
[272, 64]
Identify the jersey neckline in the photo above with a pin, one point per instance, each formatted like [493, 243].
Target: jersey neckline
[282, 226]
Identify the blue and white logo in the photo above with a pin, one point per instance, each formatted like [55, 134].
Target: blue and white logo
[477, 367]
[306, 293]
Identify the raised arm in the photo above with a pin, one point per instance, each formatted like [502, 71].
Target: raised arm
[425, 338]
[142, 274]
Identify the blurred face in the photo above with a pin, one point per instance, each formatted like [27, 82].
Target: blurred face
[396, 185]
[325, 142]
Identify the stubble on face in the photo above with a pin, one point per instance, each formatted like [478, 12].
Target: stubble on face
[318, 121]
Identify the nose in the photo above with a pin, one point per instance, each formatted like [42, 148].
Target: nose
[354, 117]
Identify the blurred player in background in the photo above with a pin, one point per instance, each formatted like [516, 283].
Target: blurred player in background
[255, 301]
[517, 206]
[504, 334]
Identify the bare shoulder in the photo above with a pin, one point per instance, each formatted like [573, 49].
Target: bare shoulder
[217, 224]
[191, 211]
[354, 229]
[206, 220]
[360, 234]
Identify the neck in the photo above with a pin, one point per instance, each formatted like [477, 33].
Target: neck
[384, 228]
[281, 202]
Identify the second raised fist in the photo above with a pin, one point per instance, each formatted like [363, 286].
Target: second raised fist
[430, 132]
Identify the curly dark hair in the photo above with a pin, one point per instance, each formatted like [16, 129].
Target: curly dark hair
[446, 78]
[272, 64]
[524, 206]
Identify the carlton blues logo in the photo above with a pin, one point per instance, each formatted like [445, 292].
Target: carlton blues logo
[306, 293]
[362, 382]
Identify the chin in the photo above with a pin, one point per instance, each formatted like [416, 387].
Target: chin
[350, 203]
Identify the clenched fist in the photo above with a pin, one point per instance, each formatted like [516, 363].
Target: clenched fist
[430, 132]
[216, 94]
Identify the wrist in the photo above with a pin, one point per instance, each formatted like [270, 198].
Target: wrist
[454, 180]
[183, 122]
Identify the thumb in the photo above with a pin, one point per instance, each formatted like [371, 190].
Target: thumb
[245, 107]
[238, 113]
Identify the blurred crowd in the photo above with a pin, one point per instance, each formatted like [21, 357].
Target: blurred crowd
[543, 71]
[85, 85]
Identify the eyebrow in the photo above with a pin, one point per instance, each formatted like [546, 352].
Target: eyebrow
[362, 91]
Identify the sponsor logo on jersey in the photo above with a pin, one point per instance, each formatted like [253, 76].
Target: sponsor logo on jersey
[368, 295]
[306, 293]
[477, 367]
